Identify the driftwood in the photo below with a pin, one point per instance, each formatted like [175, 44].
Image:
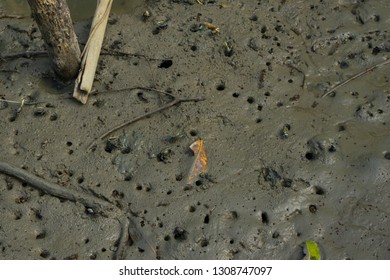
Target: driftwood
[54, 22]
[91, 51]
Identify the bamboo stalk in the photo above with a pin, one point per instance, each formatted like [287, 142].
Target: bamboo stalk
[91, 52]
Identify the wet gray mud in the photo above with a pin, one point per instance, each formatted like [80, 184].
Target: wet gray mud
[285, 164]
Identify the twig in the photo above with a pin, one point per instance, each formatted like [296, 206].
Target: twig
[162, 108]
[125, 54]
[38, 183]
[97, 204]
[11, 16]
[175, 101]
[354, 77]
[21, 102]
[23, 54]
[133, 88]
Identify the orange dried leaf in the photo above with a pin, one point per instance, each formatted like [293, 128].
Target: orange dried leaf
[200, 163]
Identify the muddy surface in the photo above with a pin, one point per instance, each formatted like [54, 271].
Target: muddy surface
[285, 164]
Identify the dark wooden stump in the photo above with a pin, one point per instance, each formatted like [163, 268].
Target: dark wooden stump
[54, 22]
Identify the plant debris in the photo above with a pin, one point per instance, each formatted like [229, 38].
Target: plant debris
[200, 165]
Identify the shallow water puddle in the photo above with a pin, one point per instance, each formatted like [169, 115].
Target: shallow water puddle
[80, 10]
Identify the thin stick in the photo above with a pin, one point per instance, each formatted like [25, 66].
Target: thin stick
[354, 77]
[22, 103]
[134, 88]
[162, 108]
[125, 54]
[23, 54]
[11, 16]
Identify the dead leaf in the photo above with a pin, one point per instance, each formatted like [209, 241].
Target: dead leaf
[200, 163]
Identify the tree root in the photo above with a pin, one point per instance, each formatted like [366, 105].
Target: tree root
[88, 200]
[91, 202]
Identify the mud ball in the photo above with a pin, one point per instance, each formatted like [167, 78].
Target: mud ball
[387, 155]
[180, 234]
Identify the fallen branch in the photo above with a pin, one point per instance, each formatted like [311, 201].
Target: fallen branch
[97, 204]
[175, 101]
[354, 77]
[88, 200]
